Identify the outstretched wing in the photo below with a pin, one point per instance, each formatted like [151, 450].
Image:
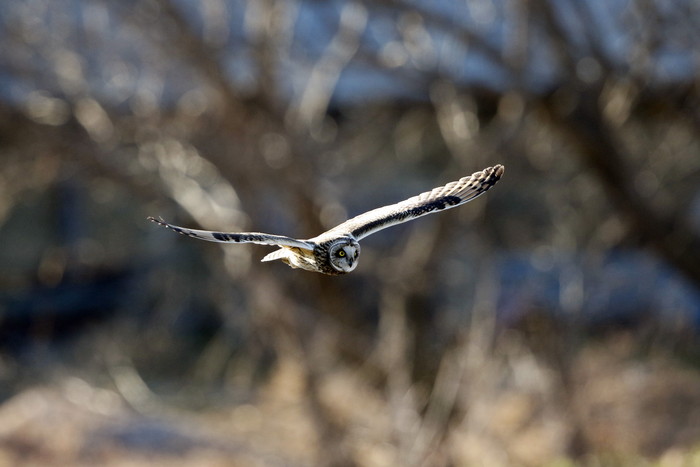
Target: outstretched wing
[445, 197]
[236, 237]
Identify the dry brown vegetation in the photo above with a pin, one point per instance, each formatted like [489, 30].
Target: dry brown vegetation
[551, 322]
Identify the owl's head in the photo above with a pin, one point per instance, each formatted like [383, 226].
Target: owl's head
[344, 254]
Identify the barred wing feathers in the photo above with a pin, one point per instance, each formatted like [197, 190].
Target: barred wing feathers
[236, 237]
[438, 199]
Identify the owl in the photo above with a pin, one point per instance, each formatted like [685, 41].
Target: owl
[337, 250]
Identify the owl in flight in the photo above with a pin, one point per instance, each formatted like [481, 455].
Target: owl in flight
[337, 250]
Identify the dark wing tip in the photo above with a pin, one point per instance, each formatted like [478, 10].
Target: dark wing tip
[159, 220]
[490, 175]
[486, 178]
[495, 172]
[175, 228]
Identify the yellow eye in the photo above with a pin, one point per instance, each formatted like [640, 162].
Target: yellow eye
[341, 253]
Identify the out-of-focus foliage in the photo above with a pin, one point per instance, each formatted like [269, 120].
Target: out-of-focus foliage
[553, 320]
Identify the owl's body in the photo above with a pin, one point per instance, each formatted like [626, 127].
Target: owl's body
[317, 260]
[337, 250]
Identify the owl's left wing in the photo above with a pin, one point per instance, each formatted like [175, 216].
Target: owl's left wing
[236, 237]
[438, 199]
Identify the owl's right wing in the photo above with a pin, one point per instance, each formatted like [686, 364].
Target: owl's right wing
[438, 199]
[236, 237]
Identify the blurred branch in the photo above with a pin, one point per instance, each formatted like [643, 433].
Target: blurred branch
[565, 50]
[399, 340]
[577, 112]
[448, 24]
[293, 333]
[666, 232]
[313, 103]
[193, 49]
[270, 26]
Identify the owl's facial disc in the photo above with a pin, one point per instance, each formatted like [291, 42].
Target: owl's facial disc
[344, 255]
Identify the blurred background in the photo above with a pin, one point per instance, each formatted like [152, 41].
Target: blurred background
[554, 321]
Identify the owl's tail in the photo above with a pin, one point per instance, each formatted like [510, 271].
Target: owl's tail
[282, 253]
